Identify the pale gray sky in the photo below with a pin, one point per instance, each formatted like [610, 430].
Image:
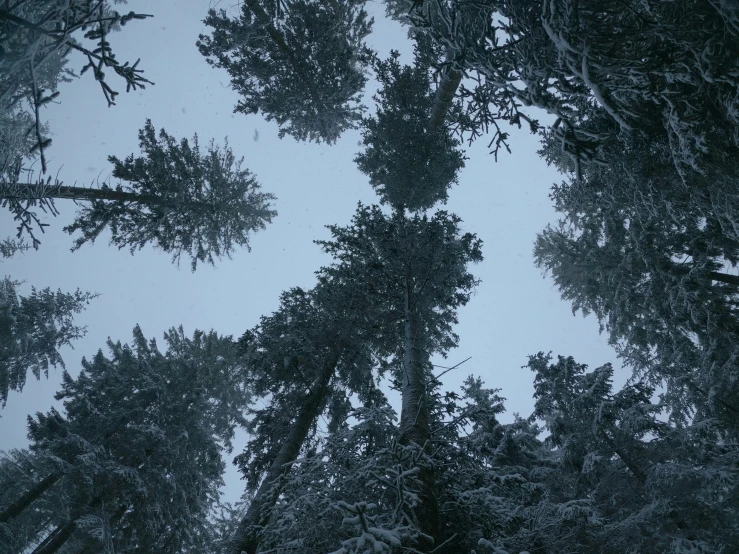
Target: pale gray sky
[515, 312]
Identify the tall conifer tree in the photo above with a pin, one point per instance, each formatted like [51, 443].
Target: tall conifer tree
[174, 197]
[303, 356]
[416, 269]
[135, 461]
[299, 63]
[32, 330]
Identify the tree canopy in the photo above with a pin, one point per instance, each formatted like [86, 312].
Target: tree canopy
[33, 329]
[137, 452]
[299, 63]
[409, 165]
[644, 99]
[184, 202]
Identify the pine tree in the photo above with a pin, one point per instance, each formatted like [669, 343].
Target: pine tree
[638, 175]
[487, 470]
[657, 284]
[139, 449]
[343, 466]
[451, 71]
[408, 165]
[564, 58]
[303, 357]
[33, 329]
[361, 471]
[644, 484]
[289, 361]
[182, 201]
[299, 63]
[474, 38]
[416, 269]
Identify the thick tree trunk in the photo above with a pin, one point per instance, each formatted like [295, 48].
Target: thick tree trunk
[17, 507]
[444, 97]
[56, 538]
[414, 417]
[257, 516]
[19, 191]
[724, 278]
[414, 420]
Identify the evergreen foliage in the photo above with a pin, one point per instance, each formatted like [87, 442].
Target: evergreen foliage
[200, 205]
[408, 164]
[139, 447]
[363, 474]
[303, 357]
[10, 247]
[645, 100]
[650, 259]
[33, 329]
[416, 269]
[15, 142]
[35, 40]
[285, 355]
[299, 63]
[643, 484]
[418, 261]
[21, 473]
[182, 201]
[645, 63]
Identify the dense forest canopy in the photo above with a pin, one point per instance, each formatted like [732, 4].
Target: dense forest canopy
[355, 443]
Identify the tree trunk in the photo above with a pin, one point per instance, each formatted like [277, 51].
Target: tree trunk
[444, 97]
[17, 507]
[56, 538]
[414, 417]
[637, 472]
[724, 278]
[257, 516]
[19, 191]
[414, 420]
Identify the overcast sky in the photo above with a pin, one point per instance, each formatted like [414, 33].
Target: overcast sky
[515, 311]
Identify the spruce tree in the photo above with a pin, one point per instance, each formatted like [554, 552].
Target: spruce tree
[181, 201]
[644, 484]
[658, 286]
[416, 269]
[300, 63]
[408, 165]
[33, 329]
[564, 58]
[137, 454]
[304, 357]
[361, 472]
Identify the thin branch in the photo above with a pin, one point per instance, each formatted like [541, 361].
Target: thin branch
[448, 369]
[40, 143]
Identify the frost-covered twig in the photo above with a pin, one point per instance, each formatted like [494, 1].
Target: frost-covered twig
[43, 34]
